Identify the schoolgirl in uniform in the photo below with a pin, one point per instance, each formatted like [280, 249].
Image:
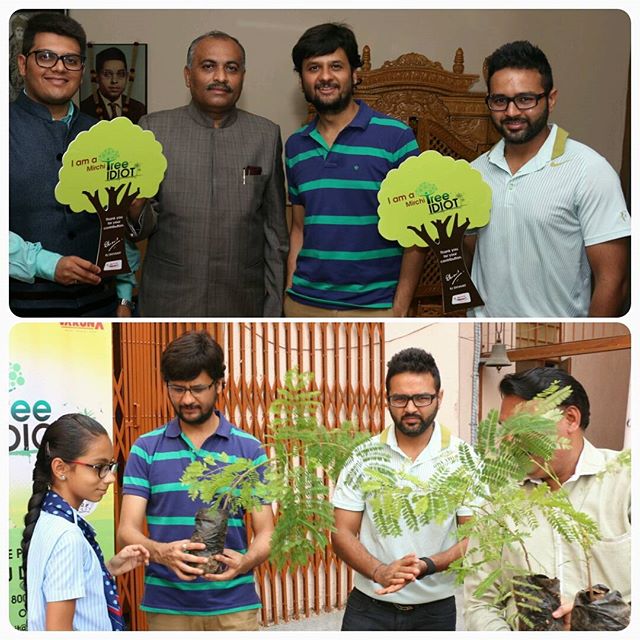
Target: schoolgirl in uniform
[69, 585]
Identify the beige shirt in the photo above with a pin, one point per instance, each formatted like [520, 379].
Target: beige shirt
[608, 501]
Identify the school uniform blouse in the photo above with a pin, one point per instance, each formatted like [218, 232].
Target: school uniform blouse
[63, 566]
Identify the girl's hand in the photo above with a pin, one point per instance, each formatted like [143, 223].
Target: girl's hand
[127, 559]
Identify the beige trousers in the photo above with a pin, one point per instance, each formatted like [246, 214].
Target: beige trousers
[238, 621]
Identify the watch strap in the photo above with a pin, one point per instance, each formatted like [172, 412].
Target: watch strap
[127, 303]
[430, 570]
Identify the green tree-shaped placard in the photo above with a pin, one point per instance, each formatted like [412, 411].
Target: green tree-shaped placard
[103, 171]
[429, 201]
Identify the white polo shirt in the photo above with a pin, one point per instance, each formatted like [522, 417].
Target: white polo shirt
[428, 540]
[63, 566]
[530, 260]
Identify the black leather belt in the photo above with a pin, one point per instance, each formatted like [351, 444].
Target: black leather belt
[404, 608]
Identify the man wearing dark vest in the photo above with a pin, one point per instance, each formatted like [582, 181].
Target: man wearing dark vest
[51, 248]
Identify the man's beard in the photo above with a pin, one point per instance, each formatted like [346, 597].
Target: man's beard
[419, 429]
[337, 105]
[532, 129]
[200, 419]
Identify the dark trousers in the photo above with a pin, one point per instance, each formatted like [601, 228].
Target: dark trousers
[369, 614]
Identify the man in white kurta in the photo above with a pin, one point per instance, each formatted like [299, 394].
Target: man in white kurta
[592, 487]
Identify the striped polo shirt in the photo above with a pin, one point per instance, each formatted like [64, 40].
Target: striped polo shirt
[344, 262]
[531, 260]
[156, 463]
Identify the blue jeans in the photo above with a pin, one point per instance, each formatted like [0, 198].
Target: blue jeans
[369, 614]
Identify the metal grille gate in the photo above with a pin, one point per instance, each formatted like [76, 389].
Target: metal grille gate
[348, 361]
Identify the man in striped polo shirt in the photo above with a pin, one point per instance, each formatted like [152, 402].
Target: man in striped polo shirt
[557, 244]
[338, 262]
[177, 595]
[399, 581]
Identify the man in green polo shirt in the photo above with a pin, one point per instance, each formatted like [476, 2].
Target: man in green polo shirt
[557, 244]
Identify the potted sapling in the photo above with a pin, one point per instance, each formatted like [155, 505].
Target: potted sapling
[599, 607]
[246, 488]
[303, 459]
[489, 479]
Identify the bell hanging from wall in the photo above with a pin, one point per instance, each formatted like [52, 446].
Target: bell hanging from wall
[498, 357]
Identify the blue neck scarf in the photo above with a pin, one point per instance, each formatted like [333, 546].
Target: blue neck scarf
[58, 506]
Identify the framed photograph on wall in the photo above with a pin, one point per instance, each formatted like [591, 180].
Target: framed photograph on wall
[17, 24]
[115, 81]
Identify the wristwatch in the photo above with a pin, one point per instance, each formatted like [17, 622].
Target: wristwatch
[127, 303]
[430, 570]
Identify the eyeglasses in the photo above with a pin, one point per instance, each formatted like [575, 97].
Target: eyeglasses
[196, 391]
[48, 59]
[419, 399]
[523, 101]
[101, 469]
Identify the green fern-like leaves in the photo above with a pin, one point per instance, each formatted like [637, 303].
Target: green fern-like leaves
[617, 464]
[304, 456]
[225, 482]
[506, 452]
[489, 480]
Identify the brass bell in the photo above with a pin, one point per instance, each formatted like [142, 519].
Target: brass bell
[498, 357]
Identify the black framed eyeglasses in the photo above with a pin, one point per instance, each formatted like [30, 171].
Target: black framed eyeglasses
[49, 59]
[401, 400]
[196, 390]
[101, 469]
[523, 101]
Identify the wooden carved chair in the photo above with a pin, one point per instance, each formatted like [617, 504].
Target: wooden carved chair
[445, 115]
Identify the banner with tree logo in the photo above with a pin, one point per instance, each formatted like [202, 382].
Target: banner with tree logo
[54, 368]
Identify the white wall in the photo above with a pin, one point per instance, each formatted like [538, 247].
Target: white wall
[608, 394]
[606, 379]
[588, 49]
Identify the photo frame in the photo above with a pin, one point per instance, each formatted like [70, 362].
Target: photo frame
[115, 81]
